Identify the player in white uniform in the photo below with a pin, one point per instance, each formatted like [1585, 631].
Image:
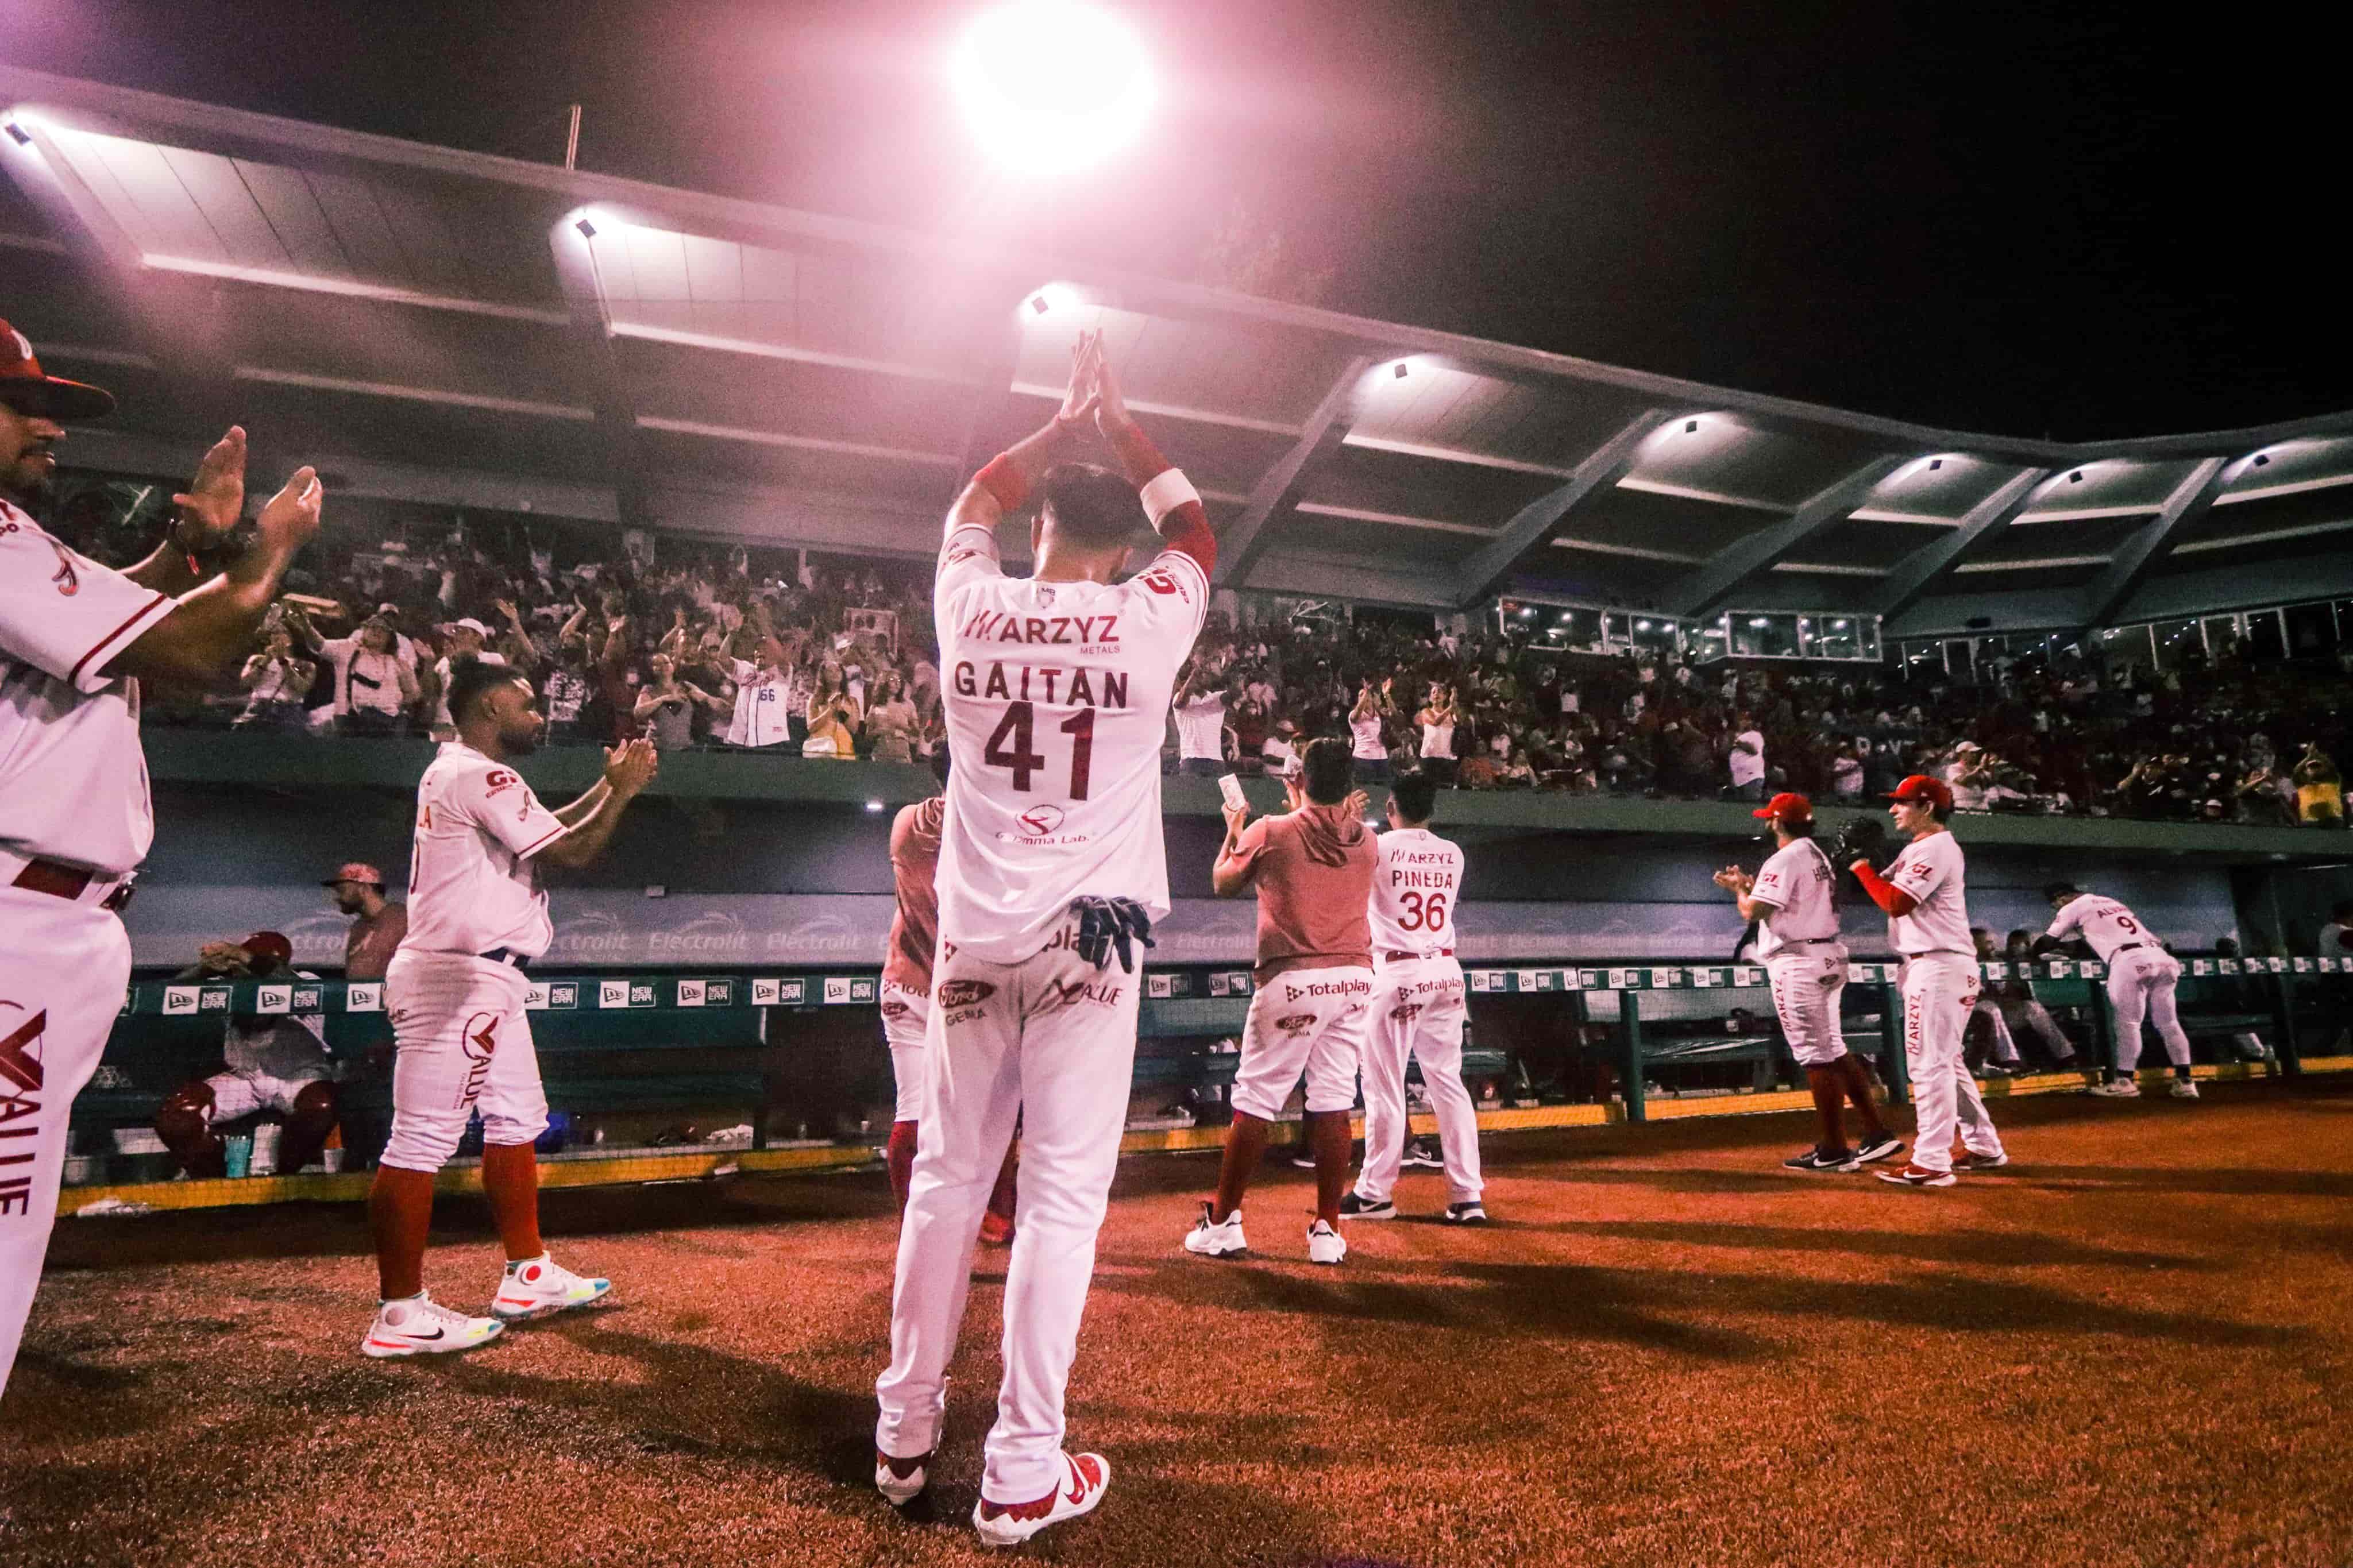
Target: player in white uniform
[1057, 690]
[1928, 921]
[1793, 899]
[456, 994]
[1419, 1010]
[74, 820]
[2141, 980]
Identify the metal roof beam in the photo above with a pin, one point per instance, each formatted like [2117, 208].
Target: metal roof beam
[591, 333]
[1486, 572]
[2133, 559]
[1755, 554]
[1319, 439]
[1918, 573]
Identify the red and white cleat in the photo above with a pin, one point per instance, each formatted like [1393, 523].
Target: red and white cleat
[536, 1287]
[1012, 1523]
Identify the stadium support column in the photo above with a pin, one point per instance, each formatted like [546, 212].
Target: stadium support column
[2138, 555]
[570, 241]
[1708, 586]
[1919, 572]
[176, 322]
[1485, 574]
[1276, 489]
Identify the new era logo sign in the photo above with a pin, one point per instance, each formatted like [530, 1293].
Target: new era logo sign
[837, 990]
[624, 994]
[534, 998]
[563, 993]
[779, 993]
[179, 999]
[310, 999]
[213, 999]
[365, 996]
[274, 999]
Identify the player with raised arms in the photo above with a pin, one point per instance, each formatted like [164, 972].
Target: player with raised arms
[76, 640]
[456, 995]
[1056, 689]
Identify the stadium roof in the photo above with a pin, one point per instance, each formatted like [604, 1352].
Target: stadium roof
[457, 328]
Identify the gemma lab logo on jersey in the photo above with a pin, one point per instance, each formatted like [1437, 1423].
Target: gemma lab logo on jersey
[1041, 819]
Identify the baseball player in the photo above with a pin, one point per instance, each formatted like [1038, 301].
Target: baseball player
[74, 820]
[1313, 871]
[1793, 899]
[273, 1062]
[1418, 1009]
[2141, 980]
[906, 996]
[1057, 692]
[1928, 921]
[456, 994]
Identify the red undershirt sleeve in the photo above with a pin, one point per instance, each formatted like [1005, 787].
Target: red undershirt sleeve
[1885, 893]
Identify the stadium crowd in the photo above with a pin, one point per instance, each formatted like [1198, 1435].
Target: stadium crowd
[834, 658]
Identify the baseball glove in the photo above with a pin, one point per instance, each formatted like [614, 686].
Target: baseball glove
[1106, 925]
[1864, 838]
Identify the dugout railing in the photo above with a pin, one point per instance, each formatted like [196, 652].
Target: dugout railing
[723, 1045]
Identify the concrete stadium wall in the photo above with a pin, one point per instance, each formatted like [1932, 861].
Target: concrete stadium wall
[809, 882]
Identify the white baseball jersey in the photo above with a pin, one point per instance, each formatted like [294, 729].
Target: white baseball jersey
[73, 780]
[1796, 880]
[2106, 924]
[1057, 697]
[1364, 742]
[470, 884]
[1415, 883]
[761, 708]
[1930, 870]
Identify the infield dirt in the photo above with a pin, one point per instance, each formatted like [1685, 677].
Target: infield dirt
[2131, 1347]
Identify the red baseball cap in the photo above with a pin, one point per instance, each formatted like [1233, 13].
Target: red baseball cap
[355, 871]
[28, 389]
[263, 941]
[1786, 807]
[1921, 786]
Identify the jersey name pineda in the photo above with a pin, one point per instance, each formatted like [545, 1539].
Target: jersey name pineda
[1414, 891]
[1056, 694]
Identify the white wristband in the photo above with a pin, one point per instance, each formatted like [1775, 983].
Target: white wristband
[1165, 492]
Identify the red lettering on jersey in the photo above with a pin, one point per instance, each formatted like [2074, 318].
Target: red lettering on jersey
[500, 779]
[997, 687]
[17, 1063]
[68, 581]
[1164, 582]
[1080, 691]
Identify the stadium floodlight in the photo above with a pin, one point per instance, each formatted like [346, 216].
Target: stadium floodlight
[1052, 86]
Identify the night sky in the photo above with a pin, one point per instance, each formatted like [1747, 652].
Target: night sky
[2071, 220]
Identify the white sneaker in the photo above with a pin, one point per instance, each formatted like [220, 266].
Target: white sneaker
[2183, 1089]
[421, 1326]
[1213, 1240]
[901, 1481]
[1325, 1244]
[535, 1286]
[2115, 1089]
[1010, 1524]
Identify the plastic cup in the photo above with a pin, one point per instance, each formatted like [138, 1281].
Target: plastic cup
[239, 1155]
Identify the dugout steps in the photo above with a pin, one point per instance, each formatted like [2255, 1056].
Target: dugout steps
[639, 1167]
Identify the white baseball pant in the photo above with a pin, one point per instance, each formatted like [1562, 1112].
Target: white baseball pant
[1940, 989]
[906, 1016]
[1808, 981]
[1312, 1021]
[237, 1095]
[1419, 1010]
[1049, 1041]
[464, 1041]
[63, 970]
[2140, 985]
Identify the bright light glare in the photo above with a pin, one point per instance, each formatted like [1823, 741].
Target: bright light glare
[1052, 86]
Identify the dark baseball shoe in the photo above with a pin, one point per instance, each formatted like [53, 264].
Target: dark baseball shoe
[1353, 1207]
[1471, 1212]
[1820, 1159]
[1421, 1155]
[1981, 1161]
[1873, 1150]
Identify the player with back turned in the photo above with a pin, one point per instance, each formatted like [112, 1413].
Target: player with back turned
[1928, 919]
[1056, 689]
[2142, 978]
[76, 640]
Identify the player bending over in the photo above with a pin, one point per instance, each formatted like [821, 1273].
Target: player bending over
[906, 1000]
[1793, 899]
[1418, 1009]
[1056, 688]
[2141, 980]
[455, 993]
[1929, 921]
[1312, 869]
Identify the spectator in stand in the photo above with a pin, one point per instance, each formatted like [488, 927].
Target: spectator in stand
[1200, 708]
[893, 729]
[273, 1062]
[1846, 773]
[276, 682]
[374, 688]
[2319, 793]
[1437, 720]
[833, 718]
[1746, 759]
[666, 705]
[1281, 750]
[377, 923]
[1367, 748]
[759, 720]
[468, 640]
